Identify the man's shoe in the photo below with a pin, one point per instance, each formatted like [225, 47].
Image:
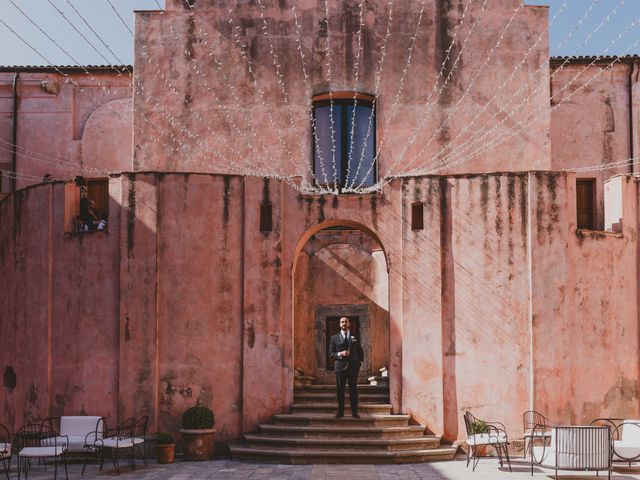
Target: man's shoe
[339, 415]
[355, 415]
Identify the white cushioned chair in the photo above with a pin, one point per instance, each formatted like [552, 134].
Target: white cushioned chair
[81, 431]
[39, 441]
[575, 448]
[140, 437]
[119, 440]
[627, 448]
[5, 449]
[481, 434]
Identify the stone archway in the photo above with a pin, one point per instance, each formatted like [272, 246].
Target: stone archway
[340, 269]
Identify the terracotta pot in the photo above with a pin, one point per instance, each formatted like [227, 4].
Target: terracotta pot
[165, 453]
[198, 444]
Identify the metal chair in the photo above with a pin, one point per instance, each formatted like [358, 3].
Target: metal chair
[482, 433]
[140, 437]
[117, 439]
[625, 434]
[39, 441]
[93, 442]
[577, 448]
[531, 419]
[5, 449]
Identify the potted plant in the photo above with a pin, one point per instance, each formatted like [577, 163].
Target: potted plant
[198, 432]
[478, 427]
[165, 447]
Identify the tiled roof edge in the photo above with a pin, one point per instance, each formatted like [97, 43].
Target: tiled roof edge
[67, 68]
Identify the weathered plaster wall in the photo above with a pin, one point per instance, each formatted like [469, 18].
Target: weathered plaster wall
[594, 102]
[55, 286]
[495, 306]
[52, 116]
[488, 256]
[585, 317]
[199, 299]
[225, 89]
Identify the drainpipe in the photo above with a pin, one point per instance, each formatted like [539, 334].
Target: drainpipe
[632, 69]
[14, 138]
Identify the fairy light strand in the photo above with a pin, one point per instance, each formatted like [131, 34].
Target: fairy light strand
[454, 147]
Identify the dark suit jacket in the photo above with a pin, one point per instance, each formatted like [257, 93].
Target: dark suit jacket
[356, 354]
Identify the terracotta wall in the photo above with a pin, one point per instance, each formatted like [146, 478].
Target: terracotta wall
[225, 90]
[65, 129]
[585, 317]
[495, 306]
[59, 304]
[595, 102]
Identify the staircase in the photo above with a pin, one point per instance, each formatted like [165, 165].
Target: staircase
[311, 433]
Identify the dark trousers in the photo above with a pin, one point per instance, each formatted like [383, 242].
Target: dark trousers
[351, 375]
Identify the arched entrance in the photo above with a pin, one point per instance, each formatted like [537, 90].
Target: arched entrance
[340, 269]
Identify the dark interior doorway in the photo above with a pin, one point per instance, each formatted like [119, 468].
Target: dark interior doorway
[333, 327]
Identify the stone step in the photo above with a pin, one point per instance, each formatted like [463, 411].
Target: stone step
[355, 456]
[365, 408]
[328, 396]
[382, 382]
[374, 444]
[362, 387]
[322, 419]
[303, 381]
[354, 433]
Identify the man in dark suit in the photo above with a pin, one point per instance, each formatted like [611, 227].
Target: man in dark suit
[348, 354]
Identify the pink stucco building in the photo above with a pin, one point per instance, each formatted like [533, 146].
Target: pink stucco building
[485, 273]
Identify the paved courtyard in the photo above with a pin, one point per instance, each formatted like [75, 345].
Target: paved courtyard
[488, 469]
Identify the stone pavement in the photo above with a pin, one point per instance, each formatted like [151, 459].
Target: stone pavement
[488, 469]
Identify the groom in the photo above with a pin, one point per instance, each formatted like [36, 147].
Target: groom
[348, 354]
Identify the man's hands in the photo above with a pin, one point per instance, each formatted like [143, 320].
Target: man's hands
[344, 353]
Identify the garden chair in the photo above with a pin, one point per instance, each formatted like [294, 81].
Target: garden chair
[39, 441]
[531, 419]
[626, 438]
[5, 450]
[482, 434]
[140, 437]
[92, 443]
[577, 448]
[117, 440]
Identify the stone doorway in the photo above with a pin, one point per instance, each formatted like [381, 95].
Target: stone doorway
[340, 271]
[327, 320]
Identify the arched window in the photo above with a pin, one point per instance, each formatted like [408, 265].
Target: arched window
[346, 137]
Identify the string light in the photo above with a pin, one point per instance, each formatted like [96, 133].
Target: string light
[309, 95]
[544, 109]
[523, 88]
[383, 50]
[426, 115]
[260, 161]
[356, 75]
[396, 101]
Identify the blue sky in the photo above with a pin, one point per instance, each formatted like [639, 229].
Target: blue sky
[103, 20]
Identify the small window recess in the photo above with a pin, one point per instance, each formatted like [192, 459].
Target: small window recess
[586, 203]
[86, 206]
[266, 217]
[417, 216]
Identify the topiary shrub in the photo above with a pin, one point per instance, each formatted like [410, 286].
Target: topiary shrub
[197, 418]
[164, 438]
